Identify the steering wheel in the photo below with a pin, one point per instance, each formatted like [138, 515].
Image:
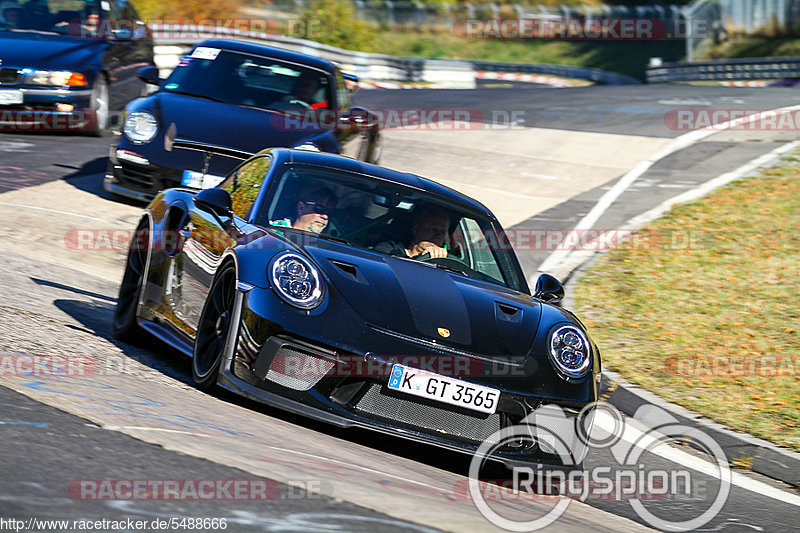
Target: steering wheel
[301, 103]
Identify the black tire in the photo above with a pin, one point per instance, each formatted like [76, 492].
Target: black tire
[100, 107]
[125, 327]
[213, 328]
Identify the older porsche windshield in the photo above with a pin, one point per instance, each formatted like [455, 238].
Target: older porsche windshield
[367, 212]
[242, 79]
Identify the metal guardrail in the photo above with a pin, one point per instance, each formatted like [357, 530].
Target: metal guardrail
[765, 68]
[172, 43]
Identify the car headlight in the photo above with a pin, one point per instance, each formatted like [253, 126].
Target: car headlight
[569, 351]
[56, 77]
[140, 127]
[296, 280]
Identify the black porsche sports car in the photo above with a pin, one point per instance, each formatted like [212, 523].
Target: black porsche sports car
[69, 64]
[292, 283]
[225, 101]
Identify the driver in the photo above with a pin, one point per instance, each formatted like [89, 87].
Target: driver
[304, 89]
[12, 14]
[313, 209]
[429, 228]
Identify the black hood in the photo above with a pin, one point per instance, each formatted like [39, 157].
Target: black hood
[244, 128]
[419, 301]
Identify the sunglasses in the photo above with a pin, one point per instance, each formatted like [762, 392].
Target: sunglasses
[319, 208]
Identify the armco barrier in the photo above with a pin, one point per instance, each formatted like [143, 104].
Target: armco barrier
[764, 68]
[171, 44]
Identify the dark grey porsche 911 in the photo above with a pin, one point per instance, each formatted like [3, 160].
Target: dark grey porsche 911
[298, 282]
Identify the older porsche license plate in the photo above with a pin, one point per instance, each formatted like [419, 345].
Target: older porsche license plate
[10, 97]
[443, 389]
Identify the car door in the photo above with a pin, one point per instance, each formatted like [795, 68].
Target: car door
[206, 237]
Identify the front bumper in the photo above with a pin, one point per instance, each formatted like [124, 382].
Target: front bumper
[327, 389]
[39, 111]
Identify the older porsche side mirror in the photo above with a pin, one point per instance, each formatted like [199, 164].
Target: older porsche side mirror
[548, 289]
[352, 82]
[217, 202]
[149, 75]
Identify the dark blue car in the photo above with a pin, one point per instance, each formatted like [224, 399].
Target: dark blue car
[296, 282]
[225, 101]
[69, 64]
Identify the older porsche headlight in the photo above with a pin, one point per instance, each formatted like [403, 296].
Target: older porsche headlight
[140, 127]
[296, 280]
[56, 77]
[569, 351]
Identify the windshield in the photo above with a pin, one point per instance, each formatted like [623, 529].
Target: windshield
[242, 79]
[79, 18]
[388, 218]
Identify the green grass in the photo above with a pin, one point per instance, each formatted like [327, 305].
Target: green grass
[702, 306]
[753, 46]
[629, 58]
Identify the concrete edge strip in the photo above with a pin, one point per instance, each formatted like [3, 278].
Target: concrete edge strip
[558, 257]
[578, 257]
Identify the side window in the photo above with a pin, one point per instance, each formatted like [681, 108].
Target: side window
[245, 183]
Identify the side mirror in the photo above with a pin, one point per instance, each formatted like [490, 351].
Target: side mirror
[548, 289]
[149, 75]
[217, 202]
[351, 80]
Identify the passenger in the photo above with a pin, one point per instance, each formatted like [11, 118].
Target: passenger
[313, 209]
[429, 228]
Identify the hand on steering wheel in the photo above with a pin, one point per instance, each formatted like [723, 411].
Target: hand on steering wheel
[432, 252]
[300, 102]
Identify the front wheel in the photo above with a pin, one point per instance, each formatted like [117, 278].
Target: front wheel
[100, 107]
[125, 327]
[213, 328]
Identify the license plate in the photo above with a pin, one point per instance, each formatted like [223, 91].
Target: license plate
[198, 180]
[443, 389]
[10, 97]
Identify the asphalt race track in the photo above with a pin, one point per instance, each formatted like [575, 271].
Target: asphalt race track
[541, 158]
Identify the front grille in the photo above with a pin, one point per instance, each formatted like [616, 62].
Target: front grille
[9, 76]
[434, 419]
[297, 370]
[136, 175]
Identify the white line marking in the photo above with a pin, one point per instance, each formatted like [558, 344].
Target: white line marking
[577, 257]
[632, 435]
[366, 469]
[55, 211]
[165, 430]
[555, 259]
